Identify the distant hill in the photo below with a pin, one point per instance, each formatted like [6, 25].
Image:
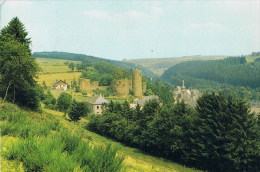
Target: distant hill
[159, 65]
[235, 71]
[91, 59]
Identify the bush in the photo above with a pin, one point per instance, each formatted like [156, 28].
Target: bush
[78, 110]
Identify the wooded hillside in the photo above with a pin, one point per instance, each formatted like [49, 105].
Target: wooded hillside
[234, 71]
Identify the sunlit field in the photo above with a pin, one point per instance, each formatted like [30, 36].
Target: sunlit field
[50, 78]
[54, 65]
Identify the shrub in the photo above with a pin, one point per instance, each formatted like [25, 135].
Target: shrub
[78, 110]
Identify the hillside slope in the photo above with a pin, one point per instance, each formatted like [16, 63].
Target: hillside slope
[159, 65]
[49, 132]
[90, 60]
[236, 71]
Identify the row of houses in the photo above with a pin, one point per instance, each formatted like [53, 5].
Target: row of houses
[98, 103]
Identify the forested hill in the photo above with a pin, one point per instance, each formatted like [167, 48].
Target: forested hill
[236, 71]
[90, 60]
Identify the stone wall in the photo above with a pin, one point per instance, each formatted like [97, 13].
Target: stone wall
[88, 86]
[121, 87]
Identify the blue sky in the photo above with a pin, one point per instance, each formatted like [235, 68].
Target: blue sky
[140, 29]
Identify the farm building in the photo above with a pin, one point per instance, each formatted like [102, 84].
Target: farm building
[60, 85]
[97, 103]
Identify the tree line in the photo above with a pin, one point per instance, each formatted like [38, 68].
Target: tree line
[219, 134]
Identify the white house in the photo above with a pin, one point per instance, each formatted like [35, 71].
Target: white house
[97, 103]
[60, 85]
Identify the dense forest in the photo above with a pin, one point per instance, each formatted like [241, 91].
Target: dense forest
[89, 60]
[219, 134]
[233, 72]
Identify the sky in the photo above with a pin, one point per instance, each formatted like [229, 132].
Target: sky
[133, 29]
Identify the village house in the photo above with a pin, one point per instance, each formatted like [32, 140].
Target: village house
[188, 96]
[143, 101]
[97, 103]
[60, 85]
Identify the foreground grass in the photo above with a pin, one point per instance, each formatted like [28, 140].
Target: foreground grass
[135, 159]
[38, 142]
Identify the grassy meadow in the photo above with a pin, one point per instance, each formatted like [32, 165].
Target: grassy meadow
[50, 78]
[56, 69]
[251, 58]
[39, 142]
[54, 65]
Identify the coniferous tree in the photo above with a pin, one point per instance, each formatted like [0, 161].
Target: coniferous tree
[16, 29]
[223, 136]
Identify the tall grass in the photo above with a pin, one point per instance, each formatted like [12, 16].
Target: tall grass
[44, 145]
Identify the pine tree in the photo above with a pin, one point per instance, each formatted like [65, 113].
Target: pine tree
[223, 136]
[16, 29]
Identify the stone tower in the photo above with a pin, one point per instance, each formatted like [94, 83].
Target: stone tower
[137, 83]
[121, 87]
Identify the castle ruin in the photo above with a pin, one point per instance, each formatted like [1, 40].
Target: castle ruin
[137, 83]
[86, 85]
[121, 87]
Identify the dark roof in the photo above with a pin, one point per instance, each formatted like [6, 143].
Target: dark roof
[55, 82]
[146, 99]
[97, 100]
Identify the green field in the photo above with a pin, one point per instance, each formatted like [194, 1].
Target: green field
[56, 69]
[251, 58]
[54, 65]
[159, 65]
[50, 78]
